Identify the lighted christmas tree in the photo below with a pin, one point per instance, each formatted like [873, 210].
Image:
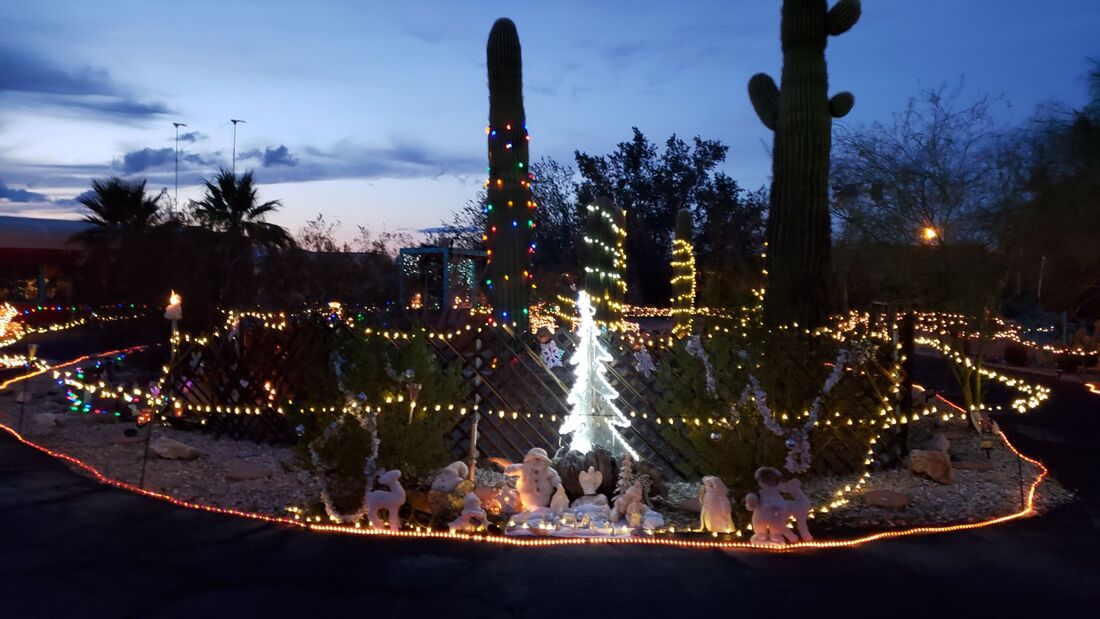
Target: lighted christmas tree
[605, 261]
[593, 418]
[683, 276]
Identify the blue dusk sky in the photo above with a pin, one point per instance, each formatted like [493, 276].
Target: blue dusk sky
[373, 113]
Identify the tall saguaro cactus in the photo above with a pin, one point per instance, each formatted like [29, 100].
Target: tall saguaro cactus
[509, 205]
[605, 261]
[683, 276]
[800, 113]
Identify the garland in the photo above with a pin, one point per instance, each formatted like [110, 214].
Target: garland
[695, 348]
[798, 439]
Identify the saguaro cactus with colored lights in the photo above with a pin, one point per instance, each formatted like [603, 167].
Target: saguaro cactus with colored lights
[509, 205]
[683, 276]
[605, 261]
[800, 113]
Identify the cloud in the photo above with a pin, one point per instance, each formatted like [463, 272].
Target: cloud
[35, 81]
[400, 159]
[271, 156]
[141, 160]
[31, 203]
[192, 137]
[20, 195]
[137, 161]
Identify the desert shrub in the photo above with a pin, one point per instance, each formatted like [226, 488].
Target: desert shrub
[792, 368]
[341, 453]
[374, 371]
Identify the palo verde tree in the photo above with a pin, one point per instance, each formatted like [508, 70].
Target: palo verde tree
[800, 113]
[605, 261]
[683, 276]
[509, 204]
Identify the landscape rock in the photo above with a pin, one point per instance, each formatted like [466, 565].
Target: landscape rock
[170, 449]
[886, 498]
[933, 464]
[691, 506]
[569, 466]
[241, 470]
[605, 463]
[973, 466]
[47, 422]
[939, 442]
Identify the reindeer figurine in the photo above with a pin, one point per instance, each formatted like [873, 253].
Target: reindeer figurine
[390, 500]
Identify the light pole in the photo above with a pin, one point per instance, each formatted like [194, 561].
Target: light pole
[235, 121]
[176, 200]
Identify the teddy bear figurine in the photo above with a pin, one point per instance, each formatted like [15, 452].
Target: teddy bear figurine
[771, 510]
[450, 476]
[537, 479]
[472, 517]
[716, 513]
[449, 489]
[622, 504]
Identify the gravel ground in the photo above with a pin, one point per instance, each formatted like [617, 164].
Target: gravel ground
[975, 495]
[93, 439]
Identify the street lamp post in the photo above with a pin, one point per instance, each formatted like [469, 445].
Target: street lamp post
[176, 200]
[235, 121]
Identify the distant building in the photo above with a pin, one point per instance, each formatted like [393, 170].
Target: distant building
[36, 258]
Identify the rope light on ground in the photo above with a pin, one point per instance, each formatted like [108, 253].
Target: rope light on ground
[1026, 510]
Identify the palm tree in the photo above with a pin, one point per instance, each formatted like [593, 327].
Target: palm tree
[125, 223]
[229, 208]
[121, 212]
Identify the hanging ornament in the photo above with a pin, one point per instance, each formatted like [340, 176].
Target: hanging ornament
[643, 362]
[551, 354]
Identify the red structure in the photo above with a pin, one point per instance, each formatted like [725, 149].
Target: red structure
[36, 258]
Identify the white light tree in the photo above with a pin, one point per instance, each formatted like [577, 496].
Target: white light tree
[593, 418]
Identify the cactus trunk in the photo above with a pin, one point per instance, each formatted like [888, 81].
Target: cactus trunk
[509, 204]
[800, 112]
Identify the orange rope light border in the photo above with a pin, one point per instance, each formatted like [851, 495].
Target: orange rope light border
[1029, 508]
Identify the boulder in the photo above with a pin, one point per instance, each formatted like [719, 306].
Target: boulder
[691, 506]
[170, 449]
[939, 442]
[241, 470]
[933, 464]
[605, 463]
[46, 422]
[569, 466]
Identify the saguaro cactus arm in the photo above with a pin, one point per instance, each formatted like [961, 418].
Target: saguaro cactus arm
[843, 16]
[764, 95]
[841, 104]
